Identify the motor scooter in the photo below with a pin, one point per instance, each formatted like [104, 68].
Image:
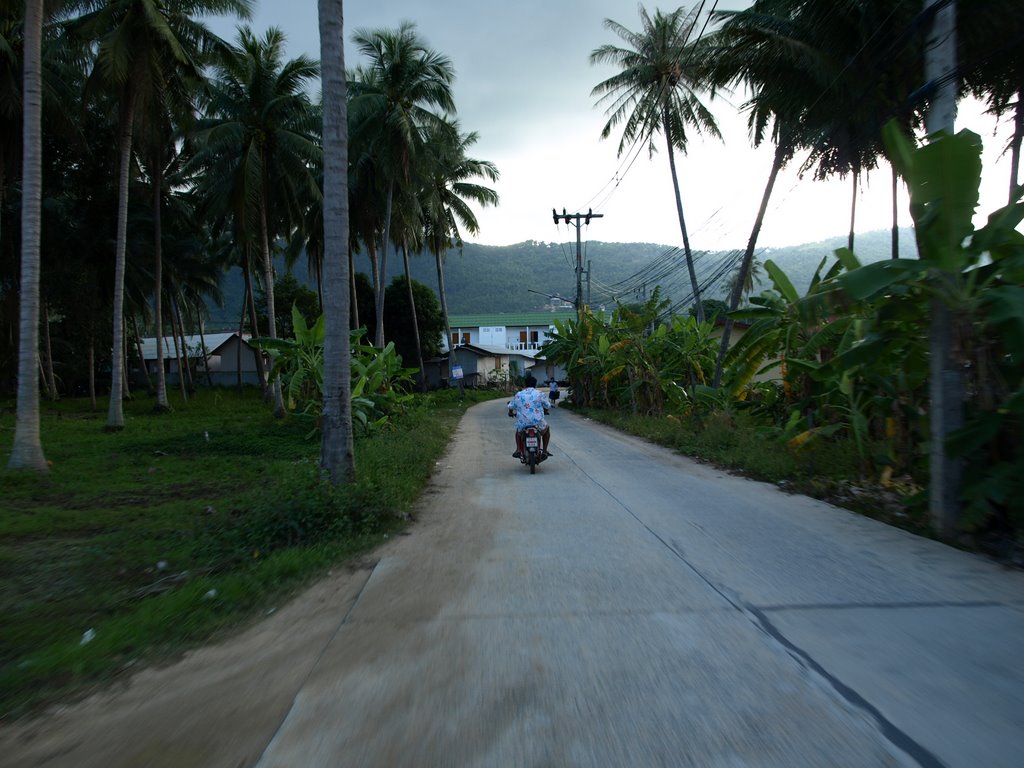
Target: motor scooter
[533, 454]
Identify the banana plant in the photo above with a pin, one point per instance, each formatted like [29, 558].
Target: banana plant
[299, 360]
[979, 276]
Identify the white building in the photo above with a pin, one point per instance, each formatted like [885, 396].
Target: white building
[493, 348]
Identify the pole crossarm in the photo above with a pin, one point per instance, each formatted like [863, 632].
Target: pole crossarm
[577, 220]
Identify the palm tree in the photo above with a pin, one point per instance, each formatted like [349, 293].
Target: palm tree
[259, 148]
[989, 34]
[447, 194]
[393, 96]
[11, 80]
[656, 92]
[139, 45]
[337, 456]
[747, 51]
[27, 452]
[751, 278]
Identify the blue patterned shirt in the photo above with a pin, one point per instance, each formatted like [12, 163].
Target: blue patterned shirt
[529, 405]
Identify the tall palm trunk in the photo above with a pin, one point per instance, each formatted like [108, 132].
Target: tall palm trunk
[125, 384]
[158, 289]
[268, 287]
[748, 257]
[442, 294]
[138, 351]
[27, 452]
[178, 358]
[895, 215]
[1018, 134]
[698, 304]
[179, 318]
[337, 456]
[853, 209]
[206, 352]
[353, 300]
[371, 250]
[238, 348]
[92, 371]
[415, 321]
[378, 290]
[50, 379]
[248, 305]
[115, 413]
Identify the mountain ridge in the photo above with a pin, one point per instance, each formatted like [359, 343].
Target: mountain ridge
[523, 277]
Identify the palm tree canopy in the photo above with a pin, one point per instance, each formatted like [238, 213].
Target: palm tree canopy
[260, 141]
[449, 188]
[660, 74]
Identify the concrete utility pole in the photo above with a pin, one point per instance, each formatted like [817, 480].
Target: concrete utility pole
[575, 219]
[946, 378]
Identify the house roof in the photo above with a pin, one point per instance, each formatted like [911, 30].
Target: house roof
[193, 343]
[513, 319]
[480, 349]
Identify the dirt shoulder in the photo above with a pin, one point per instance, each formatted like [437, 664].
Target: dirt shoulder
[218, 706]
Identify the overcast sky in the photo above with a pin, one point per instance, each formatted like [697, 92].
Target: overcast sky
[523, 82]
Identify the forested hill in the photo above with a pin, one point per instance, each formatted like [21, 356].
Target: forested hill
[484, 278]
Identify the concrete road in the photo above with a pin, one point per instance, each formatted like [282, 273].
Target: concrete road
[627, 607]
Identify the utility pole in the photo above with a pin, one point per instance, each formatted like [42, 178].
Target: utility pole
[577, 220]
[946, 379]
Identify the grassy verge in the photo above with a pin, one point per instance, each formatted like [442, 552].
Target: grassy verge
[827, 469]
[142, 543]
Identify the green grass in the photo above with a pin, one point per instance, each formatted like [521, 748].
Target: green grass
[180, 526]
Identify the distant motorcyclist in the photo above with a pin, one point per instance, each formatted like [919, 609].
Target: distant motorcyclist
[529, 406]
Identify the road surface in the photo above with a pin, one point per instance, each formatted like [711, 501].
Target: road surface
[628, 607]
[622, 607]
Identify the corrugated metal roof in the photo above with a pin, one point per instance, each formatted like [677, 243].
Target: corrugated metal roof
[511, 319]
[499, 351]
[213, 340]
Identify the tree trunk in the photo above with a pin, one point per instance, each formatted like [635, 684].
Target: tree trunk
[115, 414]
[206, 352]
[442, 294]
[50, 380]
[238, 348]
[139, 352]
[415, 321]
[268, 277]
[748, 257]
[190, 383]
[378, 292]
[853, 210]
[895, 215]
[698, 304]
[126, 387]
[1018, 134]
[253, 324]
[353, 300]
[177, 357]
[92, 372]
[337, 455]
[158, 290]
[27, 452]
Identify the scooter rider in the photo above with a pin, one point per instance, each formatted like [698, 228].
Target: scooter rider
[529, 407]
